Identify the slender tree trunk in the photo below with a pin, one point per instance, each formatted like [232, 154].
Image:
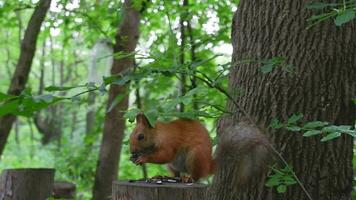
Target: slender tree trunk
[183, 80]
[73, 126]
[19, 79]
[193, 56]
[42, 69]
[17, 132]
[90, 116]
[321, 88]
[8, 64]
[114, 126]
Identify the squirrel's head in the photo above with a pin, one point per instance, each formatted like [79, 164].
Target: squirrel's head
[142, 137]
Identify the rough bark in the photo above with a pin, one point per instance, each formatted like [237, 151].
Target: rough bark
[114, 126]
[143, 191]
[20, 76]
[24, 184]
[65, 190]
[321, 88]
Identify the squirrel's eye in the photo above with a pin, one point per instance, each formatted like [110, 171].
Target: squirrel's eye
[140, 137]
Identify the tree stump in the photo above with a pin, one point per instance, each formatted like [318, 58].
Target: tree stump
[25, 184]
[140, 190]
[64, 190]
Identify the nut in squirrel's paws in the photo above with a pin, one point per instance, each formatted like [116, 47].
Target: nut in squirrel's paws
[137, 158]
[140, 160]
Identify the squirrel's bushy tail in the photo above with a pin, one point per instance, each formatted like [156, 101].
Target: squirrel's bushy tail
[243, 152]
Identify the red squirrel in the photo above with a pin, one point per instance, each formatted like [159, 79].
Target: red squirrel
[183, 144]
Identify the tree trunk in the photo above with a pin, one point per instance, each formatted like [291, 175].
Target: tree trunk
[19, 79]
[321, 88]
[63, 189]
[24, 184]
[114, 126]
[145, 191]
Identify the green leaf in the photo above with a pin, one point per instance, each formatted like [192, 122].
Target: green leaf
[90, 85]
[102, 89]
[267, 68]
[273, 181]
[294, 118]
[197, 90]
[293, 128]
[276, 124]
[131, 114]
[289, 180]
[53, 88]
[121, 55]
[344, 17]
[116, 101]
[152, 116]
[331, 136]
[333, 128]
[311, 133]
[281, 188]
[319, 5]
[109, 79]
[8, 107]
[122, 80]
[48, 98]
[5, 97]
[314, 124]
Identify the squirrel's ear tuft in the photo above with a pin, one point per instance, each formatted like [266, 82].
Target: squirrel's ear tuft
[142, 119]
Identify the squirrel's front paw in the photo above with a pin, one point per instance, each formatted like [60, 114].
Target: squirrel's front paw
[140, 160]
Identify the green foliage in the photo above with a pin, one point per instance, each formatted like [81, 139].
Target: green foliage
[313, 128]
[281, 178]
[270, 64]
[26, 103]
[341, 12]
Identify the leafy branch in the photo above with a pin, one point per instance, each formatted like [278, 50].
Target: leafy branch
[341, 12]
[325, 129]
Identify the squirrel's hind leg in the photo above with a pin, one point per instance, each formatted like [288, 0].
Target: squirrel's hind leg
[198, 162]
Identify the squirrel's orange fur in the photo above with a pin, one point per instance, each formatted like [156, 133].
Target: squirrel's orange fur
[184, 144]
